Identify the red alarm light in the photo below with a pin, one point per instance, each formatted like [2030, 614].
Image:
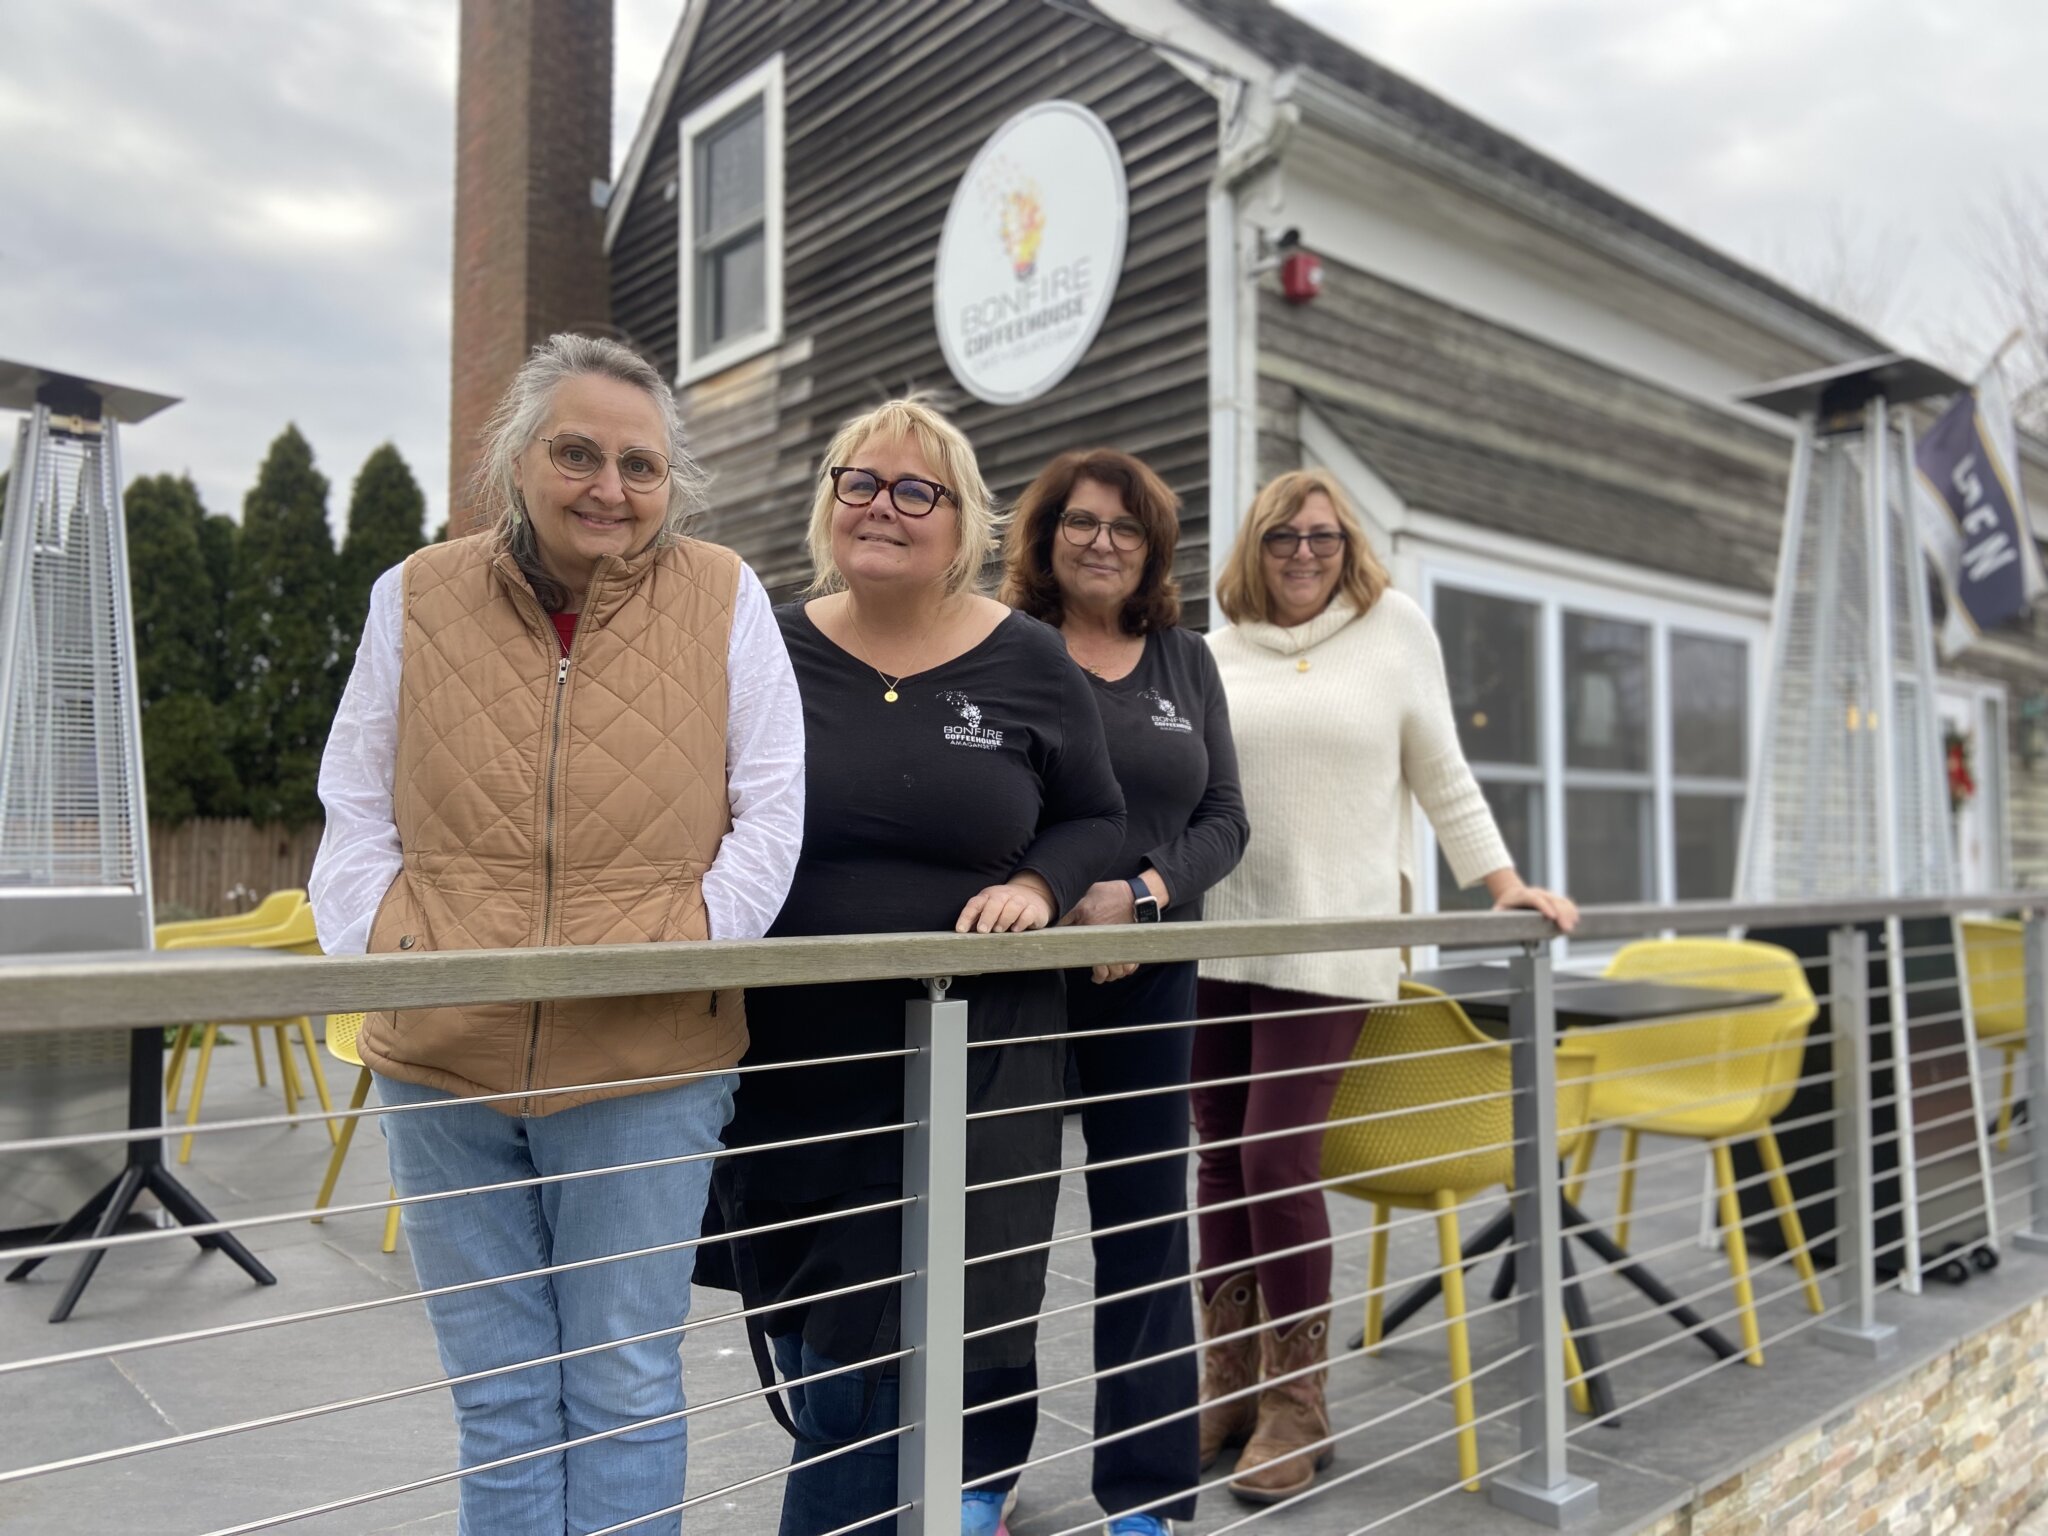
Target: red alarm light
[1301, 277]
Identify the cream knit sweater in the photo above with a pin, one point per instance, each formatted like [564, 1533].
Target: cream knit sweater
[1330, 758]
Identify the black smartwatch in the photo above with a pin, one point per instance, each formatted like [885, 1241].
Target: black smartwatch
[1144, 905]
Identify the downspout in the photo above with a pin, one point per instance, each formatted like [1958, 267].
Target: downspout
[1253, 134]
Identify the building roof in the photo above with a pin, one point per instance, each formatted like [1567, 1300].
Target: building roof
[1287, 42]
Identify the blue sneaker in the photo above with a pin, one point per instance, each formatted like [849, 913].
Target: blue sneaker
[1138, 1525]
[982, 1511]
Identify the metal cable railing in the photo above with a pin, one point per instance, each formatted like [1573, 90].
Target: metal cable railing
[1884, 1178]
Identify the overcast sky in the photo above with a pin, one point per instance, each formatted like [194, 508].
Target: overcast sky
[247, 203]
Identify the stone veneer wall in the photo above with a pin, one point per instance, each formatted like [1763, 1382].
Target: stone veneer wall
[1957, 1448]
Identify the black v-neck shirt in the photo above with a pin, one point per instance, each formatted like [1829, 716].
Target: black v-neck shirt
[1168, 728]
[989, 765]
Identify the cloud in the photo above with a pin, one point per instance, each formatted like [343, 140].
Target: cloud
[1760, 126]
[244, 204]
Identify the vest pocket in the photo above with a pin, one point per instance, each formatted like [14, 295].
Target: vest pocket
[397, 926]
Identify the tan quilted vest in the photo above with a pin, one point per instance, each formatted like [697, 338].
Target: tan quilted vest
[549, 800]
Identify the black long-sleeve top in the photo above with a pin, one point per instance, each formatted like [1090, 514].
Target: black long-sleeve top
[988, 766]
[1168, 727]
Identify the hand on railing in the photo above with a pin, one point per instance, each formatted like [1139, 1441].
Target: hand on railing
[1020, 904]
[1508, 892]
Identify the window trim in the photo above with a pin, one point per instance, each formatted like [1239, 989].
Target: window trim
[1650, 605]
[764, 84]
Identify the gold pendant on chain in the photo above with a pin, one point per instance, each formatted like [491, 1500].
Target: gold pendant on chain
[889, 697]
[1301, 665]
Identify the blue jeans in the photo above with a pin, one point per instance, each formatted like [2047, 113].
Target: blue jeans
[481, 1237]
[827, 1415]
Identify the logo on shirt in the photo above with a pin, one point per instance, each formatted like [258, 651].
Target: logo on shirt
[971, 734]
[1168, 718]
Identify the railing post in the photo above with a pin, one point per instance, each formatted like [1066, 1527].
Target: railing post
[2033, 1238]
[1539, 1487]
[1857, 1331]
[935, 1258]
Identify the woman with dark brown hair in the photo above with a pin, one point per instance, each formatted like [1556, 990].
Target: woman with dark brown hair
[1090, 552]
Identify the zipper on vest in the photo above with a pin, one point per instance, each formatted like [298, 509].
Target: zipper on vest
[547, 857]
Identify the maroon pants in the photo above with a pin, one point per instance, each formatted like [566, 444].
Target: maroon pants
[1238, 1237]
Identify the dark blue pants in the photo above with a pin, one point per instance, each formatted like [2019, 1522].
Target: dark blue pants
[1155, 1468]
[827, 1414]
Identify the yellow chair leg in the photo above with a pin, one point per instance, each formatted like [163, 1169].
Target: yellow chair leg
[198, 1088]
[1582, 1163]
[1376, 1279]
[1450, 1253]
[391, 1225]
[319, 1077]
[1788, 1220]
[287, 1073]
[1625, 1201]
[1738, 1253]
[2005, 1106]
[256, 1049]
[348, 1134]
[176, 1071]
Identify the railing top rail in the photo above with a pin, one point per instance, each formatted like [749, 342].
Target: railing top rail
[102, 990]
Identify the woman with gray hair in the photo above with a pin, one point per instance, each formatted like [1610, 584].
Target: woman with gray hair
[959, 782]
[577, 727]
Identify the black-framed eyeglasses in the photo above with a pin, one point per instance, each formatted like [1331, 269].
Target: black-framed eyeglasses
[579, 458]
[912, 495]
[1283, 542]
[1080, 528]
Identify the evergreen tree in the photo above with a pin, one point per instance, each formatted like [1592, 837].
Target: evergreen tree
[281, 635]
[386, 514]
[186, 768]
[219, 536]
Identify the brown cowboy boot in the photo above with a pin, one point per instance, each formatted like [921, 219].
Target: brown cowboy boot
[1291, 1415]
[1230, 1367]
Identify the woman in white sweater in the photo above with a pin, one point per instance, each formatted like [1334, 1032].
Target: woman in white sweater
[1343, 718]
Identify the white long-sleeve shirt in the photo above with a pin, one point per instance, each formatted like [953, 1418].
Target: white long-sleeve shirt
[764, 774]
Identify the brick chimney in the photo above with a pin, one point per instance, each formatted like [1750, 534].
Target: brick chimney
[533, 124]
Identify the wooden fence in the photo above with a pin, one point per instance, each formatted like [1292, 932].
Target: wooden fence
[213, 867]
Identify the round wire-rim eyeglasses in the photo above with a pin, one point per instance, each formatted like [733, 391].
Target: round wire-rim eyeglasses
[579, 458]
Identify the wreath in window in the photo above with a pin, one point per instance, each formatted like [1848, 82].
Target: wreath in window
[1962, 782]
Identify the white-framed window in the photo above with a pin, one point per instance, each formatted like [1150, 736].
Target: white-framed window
[730, 187]
[1610, 731]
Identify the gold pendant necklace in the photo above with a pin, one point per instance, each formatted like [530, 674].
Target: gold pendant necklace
[889, 684]
[1301, 664]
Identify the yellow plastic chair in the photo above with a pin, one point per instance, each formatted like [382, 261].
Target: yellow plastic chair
[1720, 1078]
[273, 910]
[1438, 1156]
[342, 1029]
[295, 935]
[1995, 959]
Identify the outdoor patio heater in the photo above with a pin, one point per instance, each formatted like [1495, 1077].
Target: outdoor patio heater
[1849, 799]
[74, 832]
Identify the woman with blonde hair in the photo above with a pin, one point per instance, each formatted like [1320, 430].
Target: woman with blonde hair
[958, 781]
[1343, 717]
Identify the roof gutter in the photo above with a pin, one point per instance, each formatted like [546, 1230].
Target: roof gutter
[1346, 114]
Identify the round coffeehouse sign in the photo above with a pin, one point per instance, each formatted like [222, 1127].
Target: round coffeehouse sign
[1031, 252]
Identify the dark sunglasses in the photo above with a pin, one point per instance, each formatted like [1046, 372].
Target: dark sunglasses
[1283, 542]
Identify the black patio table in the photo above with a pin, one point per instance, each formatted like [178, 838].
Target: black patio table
[143, 1168]
[1486, 992]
